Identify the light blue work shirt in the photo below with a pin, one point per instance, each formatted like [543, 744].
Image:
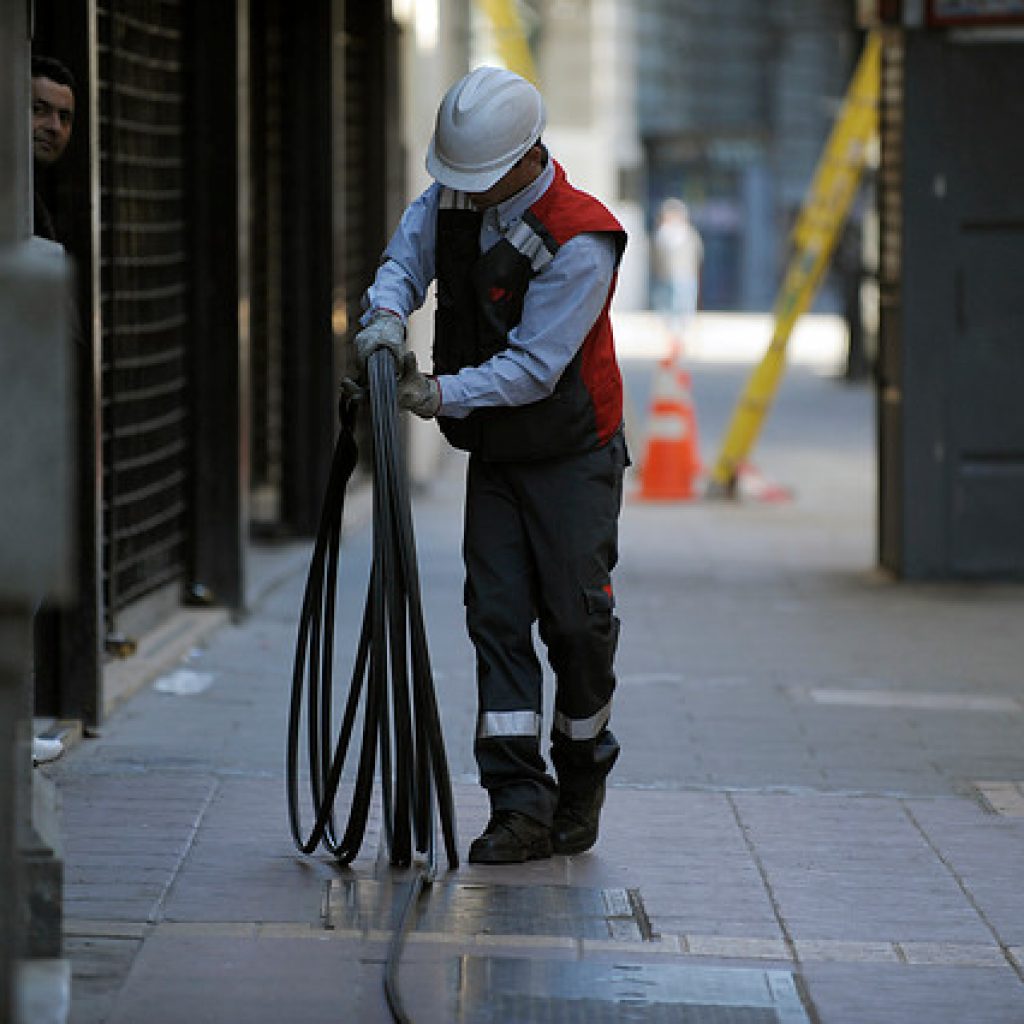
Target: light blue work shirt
[561, 304]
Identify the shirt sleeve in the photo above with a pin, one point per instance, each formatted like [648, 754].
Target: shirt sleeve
[408, 265]
[562, 303]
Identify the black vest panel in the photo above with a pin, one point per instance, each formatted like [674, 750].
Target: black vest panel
[479, 300]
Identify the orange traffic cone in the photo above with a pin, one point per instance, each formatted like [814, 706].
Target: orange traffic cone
[671, 463]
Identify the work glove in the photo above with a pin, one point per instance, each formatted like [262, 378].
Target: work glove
[352, 390]
[385, 330]
[418, 392]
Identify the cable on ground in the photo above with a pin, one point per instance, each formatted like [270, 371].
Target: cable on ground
[391, 679]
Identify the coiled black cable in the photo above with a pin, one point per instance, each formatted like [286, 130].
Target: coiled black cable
[400, 720]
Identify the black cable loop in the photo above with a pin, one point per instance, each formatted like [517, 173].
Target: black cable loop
[400, 720]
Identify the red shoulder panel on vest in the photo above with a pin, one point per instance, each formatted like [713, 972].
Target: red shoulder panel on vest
[566, 212]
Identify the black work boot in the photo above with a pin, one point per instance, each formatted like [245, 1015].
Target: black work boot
[511, 838]
[576, 819]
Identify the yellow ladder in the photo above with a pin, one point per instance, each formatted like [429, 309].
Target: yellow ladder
[510, 36]
[814, 238]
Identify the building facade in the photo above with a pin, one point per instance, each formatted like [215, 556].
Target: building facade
[735, 101]
[951, 366]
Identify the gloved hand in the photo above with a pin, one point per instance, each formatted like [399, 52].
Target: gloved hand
[353, 390]
[418, 392]
[385, 330]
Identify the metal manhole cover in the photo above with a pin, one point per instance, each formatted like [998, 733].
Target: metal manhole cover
[499, 990]
[547, 1010]
[535, 910]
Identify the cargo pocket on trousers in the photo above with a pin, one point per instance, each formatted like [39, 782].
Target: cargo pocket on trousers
[599, 599]
[600, 604]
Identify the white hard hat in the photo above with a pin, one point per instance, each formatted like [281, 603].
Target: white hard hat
[485, 123]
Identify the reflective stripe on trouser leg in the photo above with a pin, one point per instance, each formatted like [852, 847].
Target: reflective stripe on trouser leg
[492, 724]
[583, 728]
[583, 748]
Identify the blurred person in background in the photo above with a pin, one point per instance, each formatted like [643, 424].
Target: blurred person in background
[526, 380]
[678, 255]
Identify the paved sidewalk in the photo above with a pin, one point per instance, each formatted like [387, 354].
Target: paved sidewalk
[816, 817]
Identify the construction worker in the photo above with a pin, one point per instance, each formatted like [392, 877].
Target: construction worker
[525, 379]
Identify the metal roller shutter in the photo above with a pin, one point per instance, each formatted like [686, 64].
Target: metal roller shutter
[267, 324]
[361, 242]
[145, 300]
[364, 167]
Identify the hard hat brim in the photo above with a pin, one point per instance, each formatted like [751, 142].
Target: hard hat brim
[465, 180]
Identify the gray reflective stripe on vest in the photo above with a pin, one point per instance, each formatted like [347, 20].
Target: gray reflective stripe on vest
[507, 723]
[531, 245]
[452, 200]
[583, 728]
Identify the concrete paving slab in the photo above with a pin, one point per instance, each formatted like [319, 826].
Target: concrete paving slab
[853, 994]
[734, 948]
[845, 951]
[830, 880]
[953, 954]
[981, 851]
[209, 981]
[99, 967]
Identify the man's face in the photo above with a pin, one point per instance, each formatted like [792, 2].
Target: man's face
[514, 180]
[53, 111]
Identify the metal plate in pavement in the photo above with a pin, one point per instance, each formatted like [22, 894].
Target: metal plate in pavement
[496, 990]
[549, 910]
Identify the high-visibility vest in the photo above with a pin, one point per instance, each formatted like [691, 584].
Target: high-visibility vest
[480, 299]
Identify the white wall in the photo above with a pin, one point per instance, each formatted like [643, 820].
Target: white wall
[586, 67]
[434, 53]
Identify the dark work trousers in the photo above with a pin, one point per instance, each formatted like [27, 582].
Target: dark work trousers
[540, 543]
